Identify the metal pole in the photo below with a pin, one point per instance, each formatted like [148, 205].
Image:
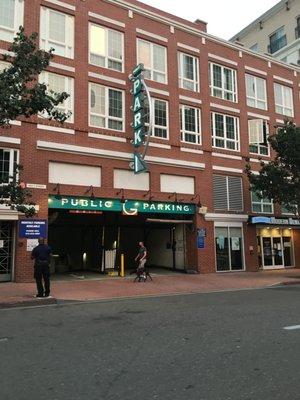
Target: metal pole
[122, 270]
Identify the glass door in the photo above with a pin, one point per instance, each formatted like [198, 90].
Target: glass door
[272, 252]
[229, 248]
[288, 251]
[6, 246]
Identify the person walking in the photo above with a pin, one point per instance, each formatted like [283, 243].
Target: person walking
[41, 256]
[142, 259]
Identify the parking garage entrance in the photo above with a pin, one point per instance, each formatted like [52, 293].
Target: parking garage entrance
[91, 234]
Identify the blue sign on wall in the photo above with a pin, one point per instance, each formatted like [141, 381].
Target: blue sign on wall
[33, 228]
[200, 242]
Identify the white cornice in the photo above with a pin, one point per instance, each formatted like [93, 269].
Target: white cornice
[197, 32]
[226, 217]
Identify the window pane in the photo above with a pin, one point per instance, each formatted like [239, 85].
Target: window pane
[115, 103]
[56, 83]
[228, 82]
[57, 23]
[7, 13]
[97, 40]
[219, 125]
[144, 55]
[190, 119]
[188, 67]
[115, 44]
[159, 55]
[230, 128]
[260, 85]
[217, 76]
[250, 86]
[222, 249]
[4, 166]
[160, 113]
[98, 99]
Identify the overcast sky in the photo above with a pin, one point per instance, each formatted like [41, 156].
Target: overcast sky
[224, 17]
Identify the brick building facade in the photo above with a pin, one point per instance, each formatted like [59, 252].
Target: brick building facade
[205, 92]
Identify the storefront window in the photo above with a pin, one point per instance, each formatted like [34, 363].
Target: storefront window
[229, 248]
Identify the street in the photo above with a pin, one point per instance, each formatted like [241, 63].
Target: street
[215, 346]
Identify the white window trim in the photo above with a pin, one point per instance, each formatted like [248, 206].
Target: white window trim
[283, 106]
[261, 146]
[11, 162]
[234, 92]
[160, 126]
[18, 18]
[106, 115]
[44, 78]
[46, 43]
[195, 82]
[105, 56]
[183, 132]
[152, 70]
[263, 202]
[255, 98]
[236, 128]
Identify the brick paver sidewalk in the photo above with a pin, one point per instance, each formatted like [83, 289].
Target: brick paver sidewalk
[108, 288]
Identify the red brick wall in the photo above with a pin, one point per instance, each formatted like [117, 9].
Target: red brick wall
[35, 161]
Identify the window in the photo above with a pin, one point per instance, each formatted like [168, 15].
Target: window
[190, 124]
[258, 137]
[60, 83]
[277, 40]
[154, 58]
[223, 82]
[225, 131]
[256, 92]
[188, 67]
[263, 205]
[254, 47]
[106, 47]
[289, 209]
[227, 193]
[297, 29]
[160, 118]
[106, 107]
[57, 31]
[283, 100]
[9, 159]
[11, 17]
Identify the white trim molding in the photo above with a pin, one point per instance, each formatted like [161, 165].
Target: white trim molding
[186, 47]
[255, 70]
[225, 108]
[278, 78]
[260, 116]
[193, 151]
[160, 145]
[151, 35]
[157, 91]
[7, 139]
[96, 152]
[55, 129]
[16, 123]
[61, 66]
[223, 155]
[216, 57]
[226, 217]
[227, 169]
[279, 121]
[106, 137]
[106, 78]
[190, 99]
[109, 20]
[62, 4]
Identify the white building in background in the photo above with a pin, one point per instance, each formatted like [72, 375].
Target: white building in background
[276, 32]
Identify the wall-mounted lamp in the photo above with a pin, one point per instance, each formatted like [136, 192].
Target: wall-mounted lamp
[57, 190]
[121, 192]
[197, 196]
[90, 190]
[175, 196]
[149, 193]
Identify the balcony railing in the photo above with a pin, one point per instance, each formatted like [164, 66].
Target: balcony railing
[277, 44]
[297, 32]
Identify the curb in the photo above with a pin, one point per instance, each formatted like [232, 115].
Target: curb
[290, 283]
[27, 303]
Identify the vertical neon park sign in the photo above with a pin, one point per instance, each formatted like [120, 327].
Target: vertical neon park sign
[142, 133]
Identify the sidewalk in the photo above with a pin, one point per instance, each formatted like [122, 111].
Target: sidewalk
[19, 294]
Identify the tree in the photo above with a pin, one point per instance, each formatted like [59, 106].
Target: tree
[280, 178]
[21, 95]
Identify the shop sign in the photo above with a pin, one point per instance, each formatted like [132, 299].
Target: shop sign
[274, 221]
[33, 228]
[200, 242]
[129, 207]
[141, 134]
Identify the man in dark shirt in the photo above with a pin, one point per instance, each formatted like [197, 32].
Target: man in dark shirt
[41, 255]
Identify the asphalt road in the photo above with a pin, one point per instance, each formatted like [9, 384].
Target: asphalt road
[216, 346]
